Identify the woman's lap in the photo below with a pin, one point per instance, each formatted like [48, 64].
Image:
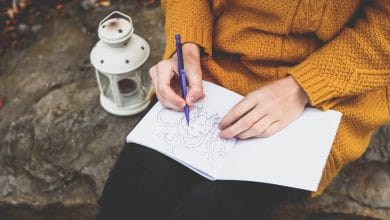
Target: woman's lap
[145, 184]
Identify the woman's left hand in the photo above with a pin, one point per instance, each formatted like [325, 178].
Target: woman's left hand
[265, 111]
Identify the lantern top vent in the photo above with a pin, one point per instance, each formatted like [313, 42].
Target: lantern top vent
[115, 28]
[118, 53]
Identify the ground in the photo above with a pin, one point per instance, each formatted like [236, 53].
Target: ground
[57, 144]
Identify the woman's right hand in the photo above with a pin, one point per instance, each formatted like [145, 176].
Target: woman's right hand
[164, 72]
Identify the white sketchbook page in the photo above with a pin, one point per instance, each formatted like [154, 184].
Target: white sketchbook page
[294, 157]
[197, 146]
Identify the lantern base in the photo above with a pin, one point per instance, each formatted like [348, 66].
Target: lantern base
[123, 111]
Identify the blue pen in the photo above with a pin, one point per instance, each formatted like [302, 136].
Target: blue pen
[182, 75]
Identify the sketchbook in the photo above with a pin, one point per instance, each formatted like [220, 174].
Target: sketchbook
[293, 157]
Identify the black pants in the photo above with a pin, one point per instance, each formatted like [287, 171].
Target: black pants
[145, 184]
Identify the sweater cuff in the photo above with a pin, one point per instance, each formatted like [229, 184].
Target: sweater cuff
[315, 86]
[189, 34]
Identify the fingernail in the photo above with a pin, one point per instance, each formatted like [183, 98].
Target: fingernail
[181, 104]
[221, 135]
[191, 101]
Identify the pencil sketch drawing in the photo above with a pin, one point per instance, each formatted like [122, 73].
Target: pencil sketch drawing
[201, 135]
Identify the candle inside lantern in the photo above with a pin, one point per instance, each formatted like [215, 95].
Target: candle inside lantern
[127, 86]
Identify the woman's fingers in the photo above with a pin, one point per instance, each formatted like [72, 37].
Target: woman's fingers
[162, 74]
[283, 100]
[195, 91]
[258, 128]
[245, 123]
[163, 78]
[153, 75]
[237, 112]
[271, 130]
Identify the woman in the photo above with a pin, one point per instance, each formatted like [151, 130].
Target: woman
[282, 55]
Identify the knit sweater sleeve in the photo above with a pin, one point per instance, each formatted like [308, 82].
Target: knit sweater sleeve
[357, 60]
[193, 20]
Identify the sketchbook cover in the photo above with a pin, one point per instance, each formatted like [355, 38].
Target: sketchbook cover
[294, 157]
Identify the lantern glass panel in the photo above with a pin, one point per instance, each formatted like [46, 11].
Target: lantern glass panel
[127, 86]
[105, 84]
[145, 79]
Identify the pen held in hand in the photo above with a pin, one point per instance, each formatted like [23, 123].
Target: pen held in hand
[183, 83]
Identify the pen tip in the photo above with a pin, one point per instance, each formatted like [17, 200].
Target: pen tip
[187, 114]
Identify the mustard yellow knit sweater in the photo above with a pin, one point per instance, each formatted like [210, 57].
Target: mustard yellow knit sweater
[338, 51]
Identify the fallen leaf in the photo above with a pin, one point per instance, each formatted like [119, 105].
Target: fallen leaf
[148, 3]
[2, 101]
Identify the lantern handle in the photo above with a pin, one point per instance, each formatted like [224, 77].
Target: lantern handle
[112, 14]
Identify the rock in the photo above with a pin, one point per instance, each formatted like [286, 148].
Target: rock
[58, 145]
[23, 29]
[2, 101]
[35, 28]
[379, 149]
[88, 4]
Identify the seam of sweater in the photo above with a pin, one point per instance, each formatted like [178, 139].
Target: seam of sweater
[388, 100]
[322, 16]
[293, 16]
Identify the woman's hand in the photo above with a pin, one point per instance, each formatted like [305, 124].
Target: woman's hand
[265, 111]
[164, 73]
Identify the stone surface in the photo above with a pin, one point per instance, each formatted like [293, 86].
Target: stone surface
[57, 144]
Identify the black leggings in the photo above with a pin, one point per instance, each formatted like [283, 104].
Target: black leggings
[145, 184]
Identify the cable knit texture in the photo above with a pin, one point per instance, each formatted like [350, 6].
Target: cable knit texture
[338, 52]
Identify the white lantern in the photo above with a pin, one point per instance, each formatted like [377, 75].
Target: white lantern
[117, 59]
